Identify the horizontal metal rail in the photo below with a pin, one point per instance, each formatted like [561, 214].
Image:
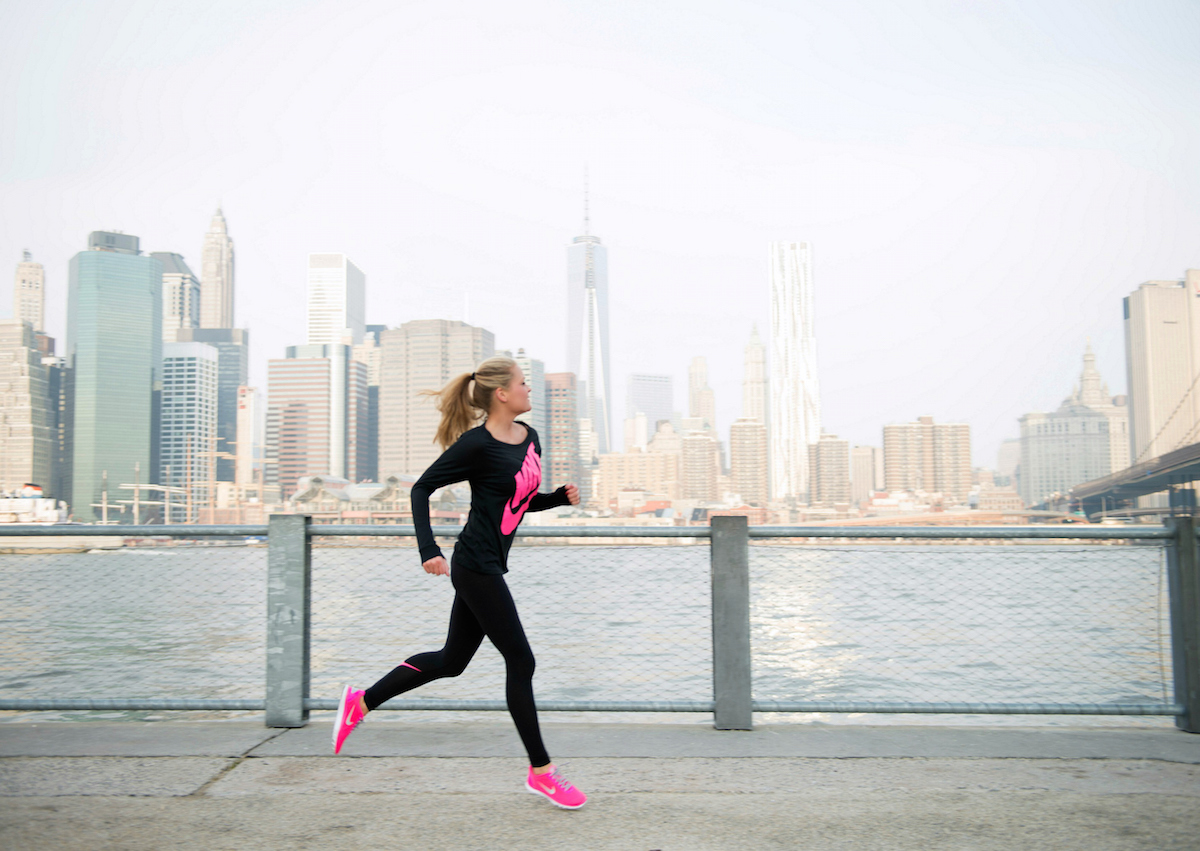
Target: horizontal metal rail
[34, 704]
[822, 706]
[522, 532]
[542, 705]
[1077, 532]
[890, 708]
[998, 532]
[175, 530]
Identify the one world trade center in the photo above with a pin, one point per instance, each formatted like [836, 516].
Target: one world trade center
[587, 331]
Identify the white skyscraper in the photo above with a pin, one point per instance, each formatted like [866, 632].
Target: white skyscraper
[180, 296]
[421, 355]
[216, 276]
[337, 295]
[754, 379]
[795, 408]
[652, 395]
[701, 400]
[587, 331]
[249, 435]
[1162, 362]
[29, 292]
[535, 376]
[188, 424]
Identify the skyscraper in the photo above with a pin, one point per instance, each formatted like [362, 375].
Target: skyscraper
[652, 395]
[114, 356]
[233, 350]
[561, 445]
[421, 355]
[701, 400]
[829, 471]
[316, 415]
[216, 275]
[1008, 461]
[795, 409]
[1162, 359]
[866, 472]
[249, 419]
[748, 460]
[587, 331]
[27, 437]
[637, 433]
[370, 352]
[1086, 438]
[754, 379]
[930, 457]
[535, 377]
[336, 300]
[181, 295]
[700, 464]
[29, 292]
[188, 424]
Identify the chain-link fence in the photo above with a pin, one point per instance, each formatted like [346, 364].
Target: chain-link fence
[155, 624]
[1010, 624]
[899, 624]
[605, 623]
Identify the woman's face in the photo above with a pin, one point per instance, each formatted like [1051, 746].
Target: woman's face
[516, 394]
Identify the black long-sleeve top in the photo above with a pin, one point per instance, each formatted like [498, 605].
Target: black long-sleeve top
[504, 481]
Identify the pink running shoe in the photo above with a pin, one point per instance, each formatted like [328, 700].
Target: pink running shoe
[555, 787]
[348, 716]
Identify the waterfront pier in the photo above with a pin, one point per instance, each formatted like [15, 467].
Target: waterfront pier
[146, 786]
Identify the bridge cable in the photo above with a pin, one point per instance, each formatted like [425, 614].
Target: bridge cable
[1186, 393]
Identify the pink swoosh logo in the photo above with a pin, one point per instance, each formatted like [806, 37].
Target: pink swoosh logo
[525, 485]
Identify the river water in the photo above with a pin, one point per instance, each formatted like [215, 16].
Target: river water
[870, 623]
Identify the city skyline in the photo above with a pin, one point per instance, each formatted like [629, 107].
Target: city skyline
[955, 169]
[359, 297]
[335, 440]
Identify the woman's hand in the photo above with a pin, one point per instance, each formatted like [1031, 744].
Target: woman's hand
[437, 566]
[572, 494]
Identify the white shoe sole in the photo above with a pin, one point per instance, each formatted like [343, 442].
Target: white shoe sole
[341, 713]
[539, 793]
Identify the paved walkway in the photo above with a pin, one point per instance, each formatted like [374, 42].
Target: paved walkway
[237, 785]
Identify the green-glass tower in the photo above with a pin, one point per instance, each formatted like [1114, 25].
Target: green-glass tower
[114, 353]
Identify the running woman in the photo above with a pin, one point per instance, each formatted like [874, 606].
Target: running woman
[502, 461]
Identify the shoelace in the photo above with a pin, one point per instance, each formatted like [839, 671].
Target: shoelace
[560, 780]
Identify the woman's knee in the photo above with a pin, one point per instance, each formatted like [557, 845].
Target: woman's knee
[442, 664]
[521, 662]
[453, 666]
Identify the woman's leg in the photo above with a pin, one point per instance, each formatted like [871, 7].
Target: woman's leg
[462, 640]
[492, 604]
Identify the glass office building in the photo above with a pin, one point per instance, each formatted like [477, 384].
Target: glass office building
[114, 354]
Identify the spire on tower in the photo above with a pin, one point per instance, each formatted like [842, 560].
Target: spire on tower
[1091, 390]
[587, 220]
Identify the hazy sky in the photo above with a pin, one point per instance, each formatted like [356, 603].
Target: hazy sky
[982, 182]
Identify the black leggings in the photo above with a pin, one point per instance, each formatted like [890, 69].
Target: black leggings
[482, 606]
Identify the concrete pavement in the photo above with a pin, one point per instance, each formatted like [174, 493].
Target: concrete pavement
[236, 784]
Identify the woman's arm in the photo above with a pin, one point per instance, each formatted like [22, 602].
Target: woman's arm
[453, 466]
[566, 495]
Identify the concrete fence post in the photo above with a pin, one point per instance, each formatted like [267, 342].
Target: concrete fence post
[730, 554]
[1183, 578]
[289, 578]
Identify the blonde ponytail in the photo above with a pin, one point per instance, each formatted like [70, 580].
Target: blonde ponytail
[467, 398]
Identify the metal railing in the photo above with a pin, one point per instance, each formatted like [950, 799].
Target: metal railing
[289, 617]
